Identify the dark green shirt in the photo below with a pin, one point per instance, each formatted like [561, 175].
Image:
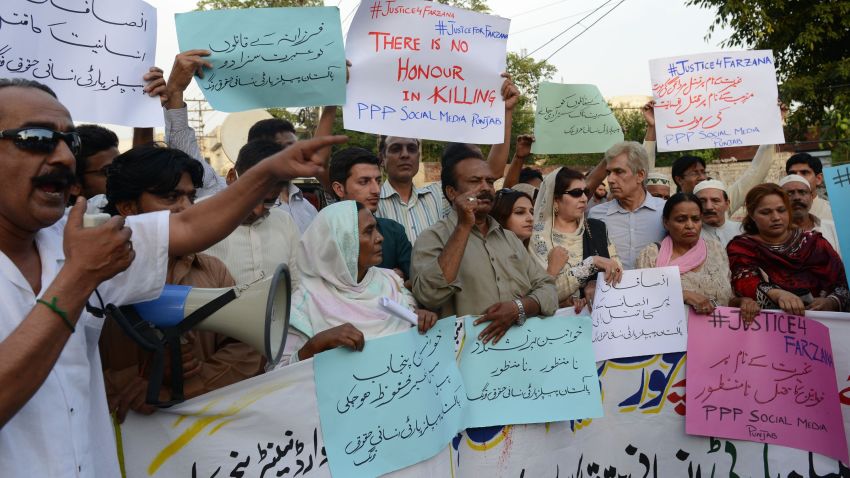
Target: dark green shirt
[396, 246]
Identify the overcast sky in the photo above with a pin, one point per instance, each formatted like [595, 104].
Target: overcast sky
[613, 54]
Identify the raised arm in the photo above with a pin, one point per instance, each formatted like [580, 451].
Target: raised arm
[649, 138]
[498, 157]
[323, 156]
[523, 151]
[28, 354]
[178, 133]
[207, 222]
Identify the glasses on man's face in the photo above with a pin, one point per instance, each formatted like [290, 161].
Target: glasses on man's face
[578, 192]
[41, 140]
[697, 174]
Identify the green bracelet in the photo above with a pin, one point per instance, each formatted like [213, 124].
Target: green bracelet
[55, 308]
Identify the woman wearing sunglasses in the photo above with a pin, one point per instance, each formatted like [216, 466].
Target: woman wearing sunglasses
[514, 211]
[571, 247]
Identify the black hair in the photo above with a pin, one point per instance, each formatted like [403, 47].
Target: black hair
[681, 165]
[453, 154]
[253, 152]
[382, 143]
[93, 139]
[804, 158]
[341, 163]
[677, 199]
[24, 83]
[564, 178]
[503, 207]
[150, 168]
[527, 174]
[269, 128]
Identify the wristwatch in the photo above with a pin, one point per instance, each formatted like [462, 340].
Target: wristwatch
[520, 320]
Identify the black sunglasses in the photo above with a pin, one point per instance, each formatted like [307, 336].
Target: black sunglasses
[578, 192]
[41, 140]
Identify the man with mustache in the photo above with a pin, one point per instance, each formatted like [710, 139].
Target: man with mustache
[466, 264]
[802, 197]
[51, 388]
[355, 174]
[418, 209]
[715, 208]
[811, 169]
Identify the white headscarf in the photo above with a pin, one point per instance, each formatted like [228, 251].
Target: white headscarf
[329, 294]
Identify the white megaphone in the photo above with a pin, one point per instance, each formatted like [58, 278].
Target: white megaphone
[256, 314]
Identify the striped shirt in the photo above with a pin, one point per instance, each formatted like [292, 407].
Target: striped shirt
[426, 206]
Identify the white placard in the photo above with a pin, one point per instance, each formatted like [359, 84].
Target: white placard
[425, 70]
[92, 53]
[716, 100]
[642, 315]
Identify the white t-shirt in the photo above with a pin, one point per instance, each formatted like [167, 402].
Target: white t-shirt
[64, 430]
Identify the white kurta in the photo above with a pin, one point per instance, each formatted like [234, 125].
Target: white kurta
[64, 430]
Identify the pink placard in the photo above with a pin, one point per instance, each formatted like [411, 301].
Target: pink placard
[771, 382]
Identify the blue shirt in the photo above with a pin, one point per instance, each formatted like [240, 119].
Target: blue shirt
[631, 231]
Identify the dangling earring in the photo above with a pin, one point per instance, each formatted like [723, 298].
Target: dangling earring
[555, 210]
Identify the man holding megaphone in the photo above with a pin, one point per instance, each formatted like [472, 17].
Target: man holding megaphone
[51, 386]
[148, 179]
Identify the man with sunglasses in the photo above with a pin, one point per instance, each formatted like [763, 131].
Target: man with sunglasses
[269, 236]
[51, 387]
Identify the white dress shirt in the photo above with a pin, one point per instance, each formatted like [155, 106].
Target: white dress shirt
[724, 233]
[827, 229]
[821, 208]
[299, 208]
[254, 251]
[65, 430]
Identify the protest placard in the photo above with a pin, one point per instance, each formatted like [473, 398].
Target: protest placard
[837, 181]
[643, 314]
[543, 371]
[227, 432]
[92, 55]
[716, 100]
[771, 381]
[268, 57]
[573, 119]
[425, 70]
[396, 403]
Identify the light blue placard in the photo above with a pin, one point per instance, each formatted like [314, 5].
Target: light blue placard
[837, 181]
[541, 372]
[398, 402]
[268, 57]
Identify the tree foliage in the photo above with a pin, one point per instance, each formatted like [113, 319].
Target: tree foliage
[811, 43]
[223, 4]
[474, 5]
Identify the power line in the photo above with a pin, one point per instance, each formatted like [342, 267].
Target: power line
[548, 23]
[351, 13]
[585, 30]
[536, 9]
[568, 28]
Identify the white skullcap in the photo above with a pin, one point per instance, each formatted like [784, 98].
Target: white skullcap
[710, 184]
[794, 178]
[659, 180]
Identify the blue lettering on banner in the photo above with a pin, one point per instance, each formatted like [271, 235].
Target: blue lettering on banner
[683, 67]
[484, 122]
[452, 28]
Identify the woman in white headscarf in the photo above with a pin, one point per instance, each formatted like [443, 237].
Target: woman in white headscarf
[337, 303]
[571, 247]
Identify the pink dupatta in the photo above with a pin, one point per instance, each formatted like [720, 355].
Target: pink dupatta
[686, 262]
